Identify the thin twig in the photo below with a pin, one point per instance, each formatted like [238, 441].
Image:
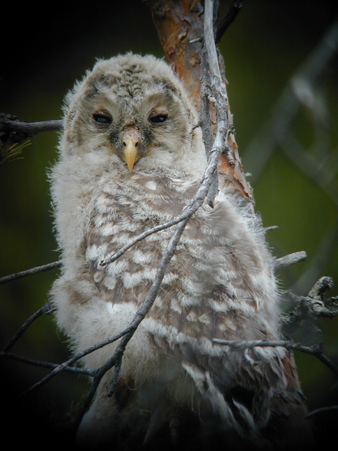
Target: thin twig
[29, 128]
[47, 308]
[289, 259]
[147, 304]
[186, 213]
[30, 272]
[62, 366]
[72, 369]
[322, 410]
[227, 20]
[205, 119]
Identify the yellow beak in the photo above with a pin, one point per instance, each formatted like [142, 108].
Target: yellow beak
[130, 154]
[130, 140]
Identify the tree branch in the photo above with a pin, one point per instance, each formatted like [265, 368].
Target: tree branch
[46, 309]
[58, 368]
[41, 364]
[290, 259]
[29, 128]
[30, 272]
[13, 133]
[227, 20]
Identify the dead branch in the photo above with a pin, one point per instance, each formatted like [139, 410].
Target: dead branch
[28, 129]
[227, 20]
[14, 134]
[58, 368]
[290, 259]
[314, 304]
[322, 410]
[39, 363]
[47, 309]
[30, 272]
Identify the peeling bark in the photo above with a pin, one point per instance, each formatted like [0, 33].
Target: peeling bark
[179, 25]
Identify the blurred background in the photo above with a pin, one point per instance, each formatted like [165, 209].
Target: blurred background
[286, 129]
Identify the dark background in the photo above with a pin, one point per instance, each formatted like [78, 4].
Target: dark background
[42, 54]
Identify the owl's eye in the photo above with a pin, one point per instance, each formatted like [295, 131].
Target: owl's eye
[102, 117]
[158, 118]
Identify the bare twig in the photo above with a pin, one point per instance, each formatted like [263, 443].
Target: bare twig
[46, 309]
[322, 410]
[147, 304]
[300, 323]
[30, 272]
[186, 214]
[290, 259]
[227, 20]
[61, 367]
[29, 128]
[41, 364]
[14, 134]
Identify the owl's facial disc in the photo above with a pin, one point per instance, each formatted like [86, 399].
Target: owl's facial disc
[131, 146]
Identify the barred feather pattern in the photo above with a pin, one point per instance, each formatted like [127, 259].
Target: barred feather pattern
[219, 283]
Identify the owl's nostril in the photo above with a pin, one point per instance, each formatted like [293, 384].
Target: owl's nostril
[125, 144]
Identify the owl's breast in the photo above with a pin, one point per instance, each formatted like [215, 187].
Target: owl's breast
[215, 272]
[122, 209]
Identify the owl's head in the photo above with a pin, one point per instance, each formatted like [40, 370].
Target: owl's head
[133, 108]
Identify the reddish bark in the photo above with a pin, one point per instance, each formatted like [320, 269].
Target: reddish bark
[180, 29]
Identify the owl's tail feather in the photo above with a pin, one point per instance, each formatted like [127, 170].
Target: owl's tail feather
[246, 427]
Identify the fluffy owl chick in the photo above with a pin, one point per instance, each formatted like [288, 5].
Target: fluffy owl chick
[131, 157]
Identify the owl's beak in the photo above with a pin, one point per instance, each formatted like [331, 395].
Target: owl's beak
[131, 154]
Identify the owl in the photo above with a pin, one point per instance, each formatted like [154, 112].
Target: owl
[131, 156]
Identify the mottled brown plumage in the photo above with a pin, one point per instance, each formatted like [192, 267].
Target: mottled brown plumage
[131, 157]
